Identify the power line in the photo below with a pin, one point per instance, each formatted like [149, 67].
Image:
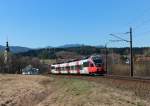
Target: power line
[119, 38]
[131, 48]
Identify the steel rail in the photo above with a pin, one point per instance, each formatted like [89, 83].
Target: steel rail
[114, 77]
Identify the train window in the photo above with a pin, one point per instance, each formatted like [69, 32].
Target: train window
[79, 67]
[86, 64]
[97, 61]
[72, 67]
[99, 65]
[57, 69]
[91, 65]
[76, 67]
[52, 67]
[67, 68]
[62, 68]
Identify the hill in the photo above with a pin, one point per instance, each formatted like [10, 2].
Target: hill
[70, 45]
[52, 53]
[15, 49]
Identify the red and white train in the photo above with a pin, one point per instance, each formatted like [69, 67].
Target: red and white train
[92, 65]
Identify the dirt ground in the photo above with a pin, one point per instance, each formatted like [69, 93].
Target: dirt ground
[23, 90]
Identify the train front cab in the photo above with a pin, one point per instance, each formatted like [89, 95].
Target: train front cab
[96, 66]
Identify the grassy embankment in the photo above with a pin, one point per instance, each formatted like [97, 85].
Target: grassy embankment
[17, 90]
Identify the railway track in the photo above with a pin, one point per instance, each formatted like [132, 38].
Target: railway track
[113, 77]
[135, 78]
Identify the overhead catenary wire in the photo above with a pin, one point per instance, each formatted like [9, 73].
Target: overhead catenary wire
[119, 38]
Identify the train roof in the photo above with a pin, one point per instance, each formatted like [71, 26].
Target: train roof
[71, 62]
[84, 59]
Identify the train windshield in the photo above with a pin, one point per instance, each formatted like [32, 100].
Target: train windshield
[97, 61]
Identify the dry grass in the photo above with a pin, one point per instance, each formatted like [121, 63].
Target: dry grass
[119, 69]
[142, 69]
[17, 90]
[138, 88]
[124, 69]
[48, 61]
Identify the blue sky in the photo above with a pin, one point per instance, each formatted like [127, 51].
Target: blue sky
[40, 23]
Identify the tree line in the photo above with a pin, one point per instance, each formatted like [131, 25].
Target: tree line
[51, 53]
[17, 63]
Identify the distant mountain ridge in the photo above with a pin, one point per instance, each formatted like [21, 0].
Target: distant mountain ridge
[70, 45]
[15, 49]
[75, 45]
[19, 49]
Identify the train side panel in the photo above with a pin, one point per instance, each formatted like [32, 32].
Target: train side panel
[86, 66]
